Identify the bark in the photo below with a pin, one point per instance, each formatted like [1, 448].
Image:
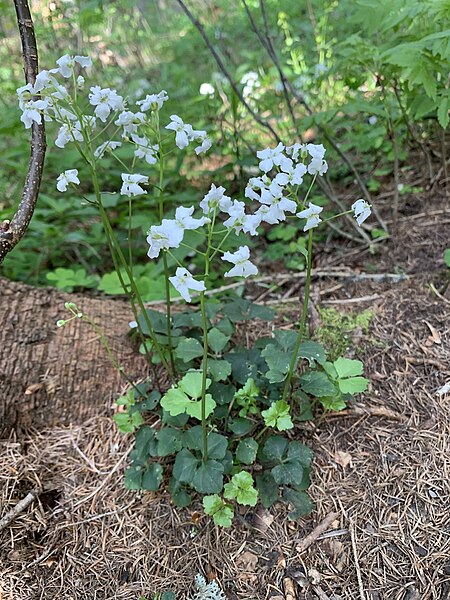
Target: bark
[50, 375]
[11, 232]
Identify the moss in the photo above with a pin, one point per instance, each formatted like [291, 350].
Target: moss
[335, 333]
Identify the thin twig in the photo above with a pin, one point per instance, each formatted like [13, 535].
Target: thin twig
[225, 71]
[11, 232]
[17, 509]
[317, 532]
[355, 557]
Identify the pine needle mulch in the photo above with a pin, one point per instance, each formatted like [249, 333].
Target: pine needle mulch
[381, 486]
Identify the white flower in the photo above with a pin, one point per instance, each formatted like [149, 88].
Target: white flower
[183, 282]
[240, 221]
[104, 101]
[183, 131]
[311, 214]
[68, 133]
[205, 143]
[132, 324]
[273, 156]
[153, 101]
[317, 166]
[108, 146]
[277, 203]
[144, 149]
[66, 64]
[215, 198]
[31, 112]
[130, 122]
[70, 176]
[206, 89]
[362, 211]
[297, 149]
[43, 80]
[294, 176]
[243, 267]
[372, 120]
[159, 239]
[256, 183]
[316, 150]
[80, 82]
[130, 185]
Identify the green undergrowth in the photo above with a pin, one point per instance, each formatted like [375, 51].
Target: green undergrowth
[337, 328]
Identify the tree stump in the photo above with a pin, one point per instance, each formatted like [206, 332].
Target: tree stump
[54, 376]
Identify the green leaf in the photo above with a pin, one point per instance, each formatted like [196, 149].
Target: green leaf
[169, 441]
[168, 595]
[240, 426]
[246, 451]
[208, 478]
[312, 351]
[354, 385]
[185, 466]
[219, 510]
[180, 496]
[300, 452]
[301, 502]
[127, 422]
[257, 311]
[133, 478]
[447, 257]
[193, 438]
[222, 394]
[188, 349]
[442, 113]
[217, 445]
[317, 384]
[241, 487]
[219, 369]
[288, 472]
[145, 444]
[274, 448]
[152, 477]
[277, 415]
[175, 402]
[278, 362]
[345, 367]
[194, 408]
[237, 310]
[267, 488]
[191, 384]
[217, 340]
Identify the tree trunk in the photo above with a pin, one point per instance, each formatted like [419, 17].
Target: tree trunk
[51, 375]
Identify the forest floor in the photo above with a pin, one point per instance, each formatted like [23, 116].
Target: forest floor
[381, 476]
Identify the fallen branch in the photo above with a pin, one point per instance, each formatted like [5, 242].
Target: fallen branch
[18, 508]
[11, 232]
[317, 532]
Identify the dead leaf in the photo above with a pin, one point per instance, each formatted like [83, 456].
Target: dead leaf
[343, 458]
[262, 519]
[33, 388]
[314, 576]
[247, 561]
[434, 338]
[289, 590]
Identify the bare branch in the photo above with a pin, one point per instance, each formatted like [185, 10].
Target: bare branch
[225, 71]
[11, 232]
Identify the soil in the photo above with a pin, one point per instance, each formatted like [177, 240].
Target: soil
[381, 477]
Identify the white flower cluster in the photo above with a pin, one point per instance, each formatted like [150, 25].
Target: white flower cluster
[274, 196]
[48, 99]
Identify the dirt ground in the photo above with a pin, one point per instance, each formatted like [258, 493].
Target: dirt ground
[381, 478]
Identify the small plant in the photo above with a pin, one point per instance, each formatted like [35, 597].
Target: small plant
[221, 425]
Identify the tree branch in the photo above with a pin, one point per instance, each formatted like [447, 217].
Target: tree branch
[225, 71]
[11, 232]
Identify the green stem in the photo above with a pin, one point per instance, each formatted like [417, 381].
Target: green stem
[293, 364]
[204, 372]
[166, 268]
